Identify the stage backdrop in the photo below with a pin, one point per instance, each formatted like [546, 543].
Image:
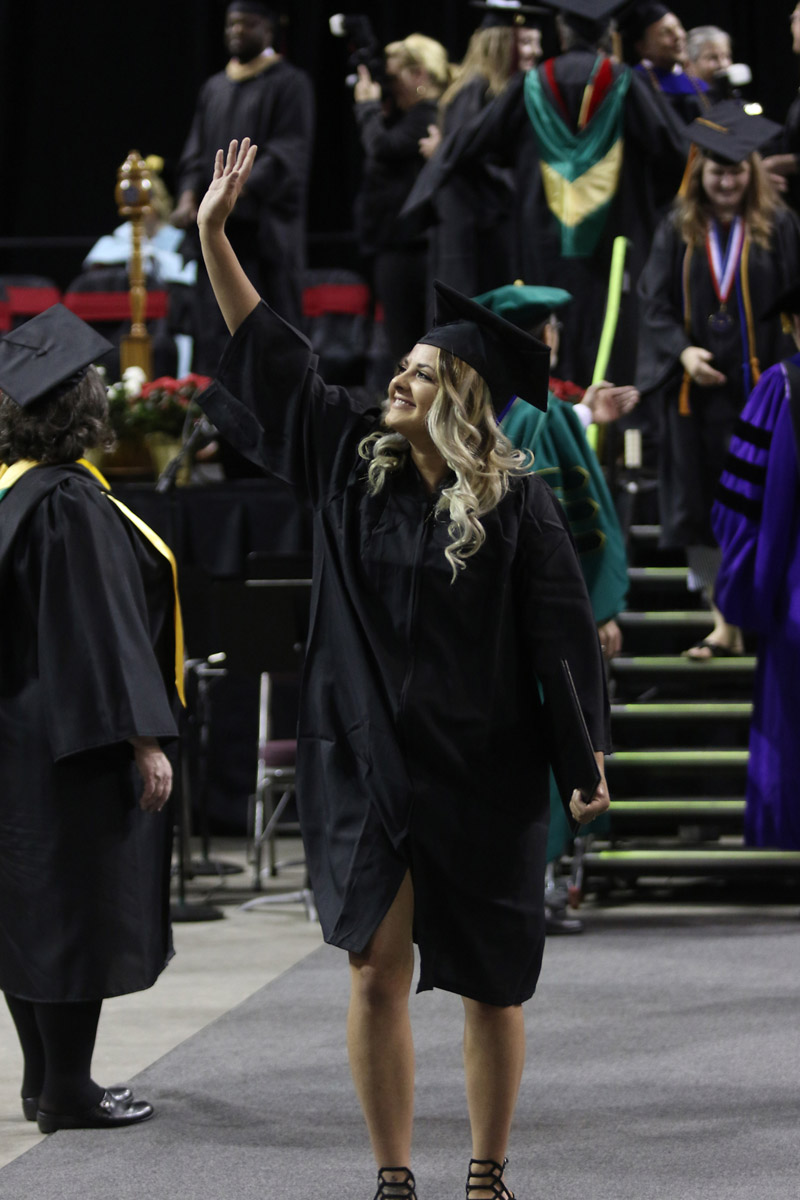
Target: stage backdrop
[85, 83]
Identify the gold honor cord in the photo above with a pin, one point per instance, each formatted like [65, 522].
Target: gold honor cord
[162, 547]
[10, 475]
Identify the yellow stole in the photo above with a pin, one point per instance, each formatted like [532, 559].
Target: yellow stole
[10, 475]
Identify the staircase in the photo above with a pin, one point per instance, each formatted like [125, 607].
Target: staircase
[680, 734]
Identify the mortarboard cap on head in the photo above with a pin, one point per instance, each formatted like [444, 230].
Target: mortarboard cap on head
[48, 355]
[599, 12]
[510, 361]
[728, 134]
[637, 19]
[508, 13]
[256, 7]
[523, 304]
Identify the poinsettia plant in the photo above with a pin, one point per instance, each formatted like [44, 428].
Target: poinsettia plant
[164, 405]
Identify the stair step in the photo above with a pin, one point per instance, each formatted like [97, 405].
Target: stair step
[716, 860]
[658, 576]
[666, 617]
[692, 807]
[662, 664]
[645, 533]
[666, 759]
[690, 710]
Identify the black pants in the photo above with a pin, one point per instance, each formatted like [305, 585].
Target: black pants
[57, 1043]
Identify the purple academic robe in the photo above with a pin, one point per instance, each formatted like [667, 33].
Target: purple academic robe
[757, 522]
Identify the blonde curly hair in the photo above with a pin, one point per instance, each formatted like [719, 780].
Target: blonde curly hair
[464, 429]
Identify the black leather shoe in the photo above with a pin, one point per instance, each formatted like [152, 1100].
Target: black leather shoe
[30, 1104]
[110, 1113]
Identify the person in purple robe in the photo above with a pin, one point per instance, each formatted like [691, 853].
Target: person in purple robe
[756, 519]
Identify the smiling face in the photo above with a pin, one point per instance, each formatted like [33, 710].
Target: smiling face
[529, 47]
[663, 43]
[411, 394]
[715, 55]
[725, 186]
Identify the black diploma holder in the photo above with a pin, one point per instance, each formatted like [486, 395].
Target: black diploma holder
[569, 746]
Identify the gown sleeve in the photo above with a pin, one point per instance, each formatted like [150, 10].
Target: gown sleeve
[101, 681]
[662, 336]
[491, 134]
[281, 169]
[269, 402]
[752, 517]
[555, 612]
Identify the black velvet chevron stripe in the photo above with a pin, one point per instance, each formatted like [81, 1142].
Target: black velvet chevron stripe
[750, 472]
[739, 503]
[762, 438]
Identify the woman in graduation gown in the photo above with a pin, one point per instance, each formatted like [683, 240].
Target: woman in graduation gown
[717, 262]
[445, 582]
[87, 676]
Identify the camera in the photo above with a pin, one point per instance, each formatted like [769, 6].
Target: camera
[363, 47]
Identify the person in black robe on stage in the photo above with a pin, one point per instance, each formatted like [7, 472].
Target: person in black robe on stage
[472, 242]
[259, 93]
[445, 583]
[717, 263]
[580, 113]
[88, 666]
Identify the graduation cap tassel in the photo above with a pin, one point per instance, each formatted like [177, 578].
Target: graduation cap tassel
[132, 195]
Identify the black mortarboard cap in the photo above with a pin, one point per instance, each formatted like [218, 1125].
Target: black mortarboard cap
[48, 355]
[256, 7]
[639, 17]
[507, 13]
[598, 11]
[510, 361]
[728, 134]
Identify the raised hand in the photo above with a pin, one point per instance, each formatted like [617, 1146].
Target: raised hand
[230, 176]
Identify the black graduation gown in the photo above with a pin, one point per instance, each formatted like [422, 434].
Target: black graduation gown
[86, 662]
[654, 158]
[472, 242]
[420, 735]
[276, 110]
[692, 447]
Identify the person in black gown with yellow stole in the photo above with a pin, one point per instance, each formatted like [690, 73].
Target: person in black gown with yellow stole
[89, 659]
[444, 583]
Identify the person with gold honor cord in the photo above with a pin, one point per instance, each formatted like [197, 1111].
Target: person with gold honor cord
[728, 248]
[596, 153]
[564, 458]
[444, 583]
[756, 519]
[90, 668]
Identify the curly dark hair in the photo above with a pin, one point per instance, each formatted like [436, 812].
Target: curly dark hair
[56, 430]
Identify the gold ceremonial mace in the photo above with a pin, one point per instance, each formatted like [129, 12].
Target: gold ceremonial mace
[132, 195]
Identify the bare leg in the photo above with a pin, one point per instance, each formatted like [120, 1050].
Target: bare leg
[494, 1055]
[729, 637]
[379, 1032]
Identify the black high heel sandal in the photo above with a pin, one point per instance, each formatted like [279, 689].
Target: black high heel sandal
[491, 1180]
[390, 1190]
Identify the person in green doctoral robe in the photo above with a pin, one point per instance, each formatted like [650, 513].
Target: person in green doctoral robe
[564, 458]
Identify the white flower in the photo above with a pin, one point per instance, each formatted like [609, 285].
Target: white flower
[132, 380]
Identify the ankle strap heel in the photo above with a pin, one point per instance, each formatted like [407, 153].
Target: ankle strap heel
[389, 1189]
[488, 1176]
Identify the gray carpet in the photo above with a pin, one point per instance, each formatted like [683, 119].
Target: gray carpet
[662, 1063]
